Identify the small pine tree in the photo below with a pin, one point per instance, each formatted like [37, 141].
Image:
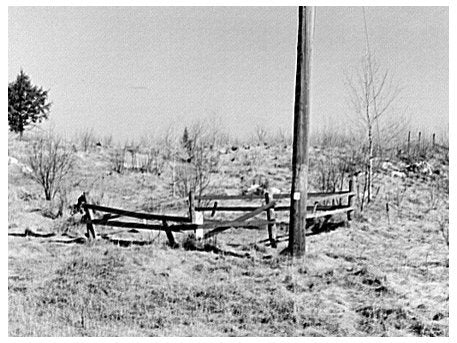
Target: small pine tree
[187, 142]
[27, 104]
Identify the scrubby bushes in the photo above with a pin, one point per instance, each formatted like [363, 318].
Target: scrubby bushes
[194, 161]
[50, 161]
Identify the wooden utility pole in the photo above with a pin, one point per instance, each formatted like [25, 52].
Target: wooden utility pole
[297, 224]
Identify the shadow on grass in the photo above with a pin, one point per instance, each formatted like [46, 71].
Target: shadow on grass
[194, 245]
[312, 229]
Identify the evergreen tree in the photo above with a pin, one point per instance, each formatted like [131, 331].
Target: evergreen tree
[187, 142]
[27, 103]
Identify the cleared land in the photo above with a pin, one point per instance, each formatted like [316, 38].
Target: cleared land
[383, 275]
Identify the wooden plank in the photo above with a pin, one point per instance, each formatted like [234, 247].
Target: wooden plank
[337, 210]
[139, 215]
[328, 196]
[311, 196]
[182, 227]
[241, 219]
[351, 197]
[132, 225]
[229, 197]
[241, 197]
[191, 207]
[237, 224]
[271, 217]
[171, 238]
[226, 208]
[213, 212]
[110, 216]
[252, 208]
[256, 212]
[89, 217]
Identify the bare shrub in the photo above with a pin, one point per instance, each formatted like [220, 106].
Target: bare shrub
[156, 162]
[196, 162]
[118, 161]
[417, 147]
[335, 165]
[87, 139]
[55, 208]
[331, 138]
[331, 174]
[49, 162]
[282, 137]
[150, 161]
[215, 136]
[191, 156]
[107, 140]
[148, 157]
[372, 95]
[169, 147]
[261, 134]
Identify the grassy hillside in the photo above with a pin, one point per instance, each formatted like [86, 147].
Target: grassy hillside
[385, 275]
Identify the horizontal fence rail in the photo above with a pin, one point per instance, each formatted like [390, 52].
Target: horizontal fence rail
[325, 213]
[138, 215]
[241, 219]
[184, 227]
[252, 208]
[311, 196]
[195, 221]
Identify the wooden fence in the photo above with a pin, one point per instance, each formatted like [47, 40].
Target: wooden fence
[320, 205]
[194, 221]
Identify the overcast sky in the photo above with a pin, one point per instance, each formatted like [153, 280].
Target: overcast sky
[131, 71]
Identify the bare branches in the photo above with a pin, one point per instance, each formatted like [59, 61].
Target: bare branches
[195, 159]
[372, 94]
[50, 161]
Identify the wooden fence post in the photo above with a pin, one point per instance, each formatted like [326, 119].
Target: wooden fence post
[191, 206]
[195, 217]
[171, 239]
[213, 212]
[351, 197]
[271, 216]
[89, 217]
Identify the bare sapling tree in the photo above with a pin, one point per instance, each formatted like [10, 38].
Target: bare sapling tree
[170, 148]
[215, 136]
[372, 94]
[261, 134]
[196, 161]
[118, 160]
[87, 139]
[50, 162]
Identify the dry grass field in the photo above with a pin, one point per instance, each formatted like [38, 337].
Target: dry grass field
[387, 274]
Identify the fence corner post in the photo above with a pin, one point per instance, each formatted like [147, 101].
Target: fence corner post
[195, 217]
[171, 238]
[271, 216]
[351, 196]
[89, 217]
[191, 206]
